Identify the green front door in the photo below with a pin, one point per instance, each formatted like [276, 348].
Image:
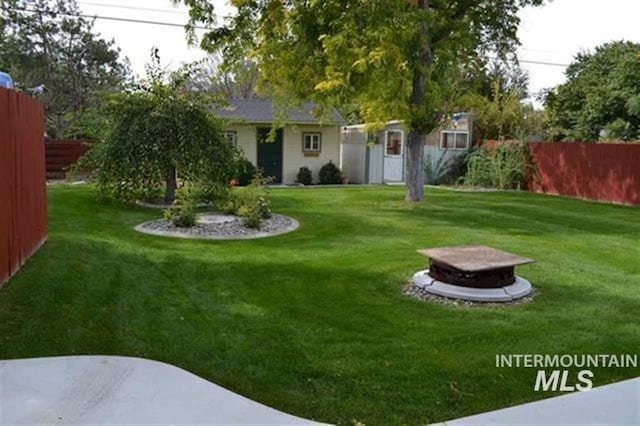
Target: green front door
[270, 154]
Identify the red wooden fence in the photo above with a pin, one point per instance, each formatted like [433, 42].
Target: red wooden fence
[23, 203]
[62, 154]
[603, 172]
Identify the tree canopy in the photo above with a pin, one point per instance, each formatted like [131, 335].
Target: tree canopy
[48, 42]
[155, 136]
[601, 98]
[213, 76]
[394, 59]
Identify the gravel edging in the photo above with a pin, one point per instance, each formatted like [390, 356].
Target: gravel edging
[155, 206]
[412, 290]
[233, 230]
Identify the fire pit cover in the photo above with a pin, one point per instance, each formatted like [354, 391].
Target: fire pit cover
[475, 258]
[473, 273]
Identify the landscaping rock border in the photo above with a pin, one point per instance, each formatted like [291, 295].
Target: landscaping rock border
[228, 228]
[156, 206]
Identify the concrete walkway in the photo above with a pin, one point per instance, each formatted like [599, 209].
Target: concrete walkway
[615, 404]
[103, 390]
[121, 390]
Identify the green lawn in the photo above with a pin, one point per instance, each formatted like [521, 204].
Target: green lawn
[314, 322]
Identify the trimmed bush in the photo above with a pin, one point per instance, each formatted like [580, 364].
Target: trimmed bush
[247, 172]
[305, 176]
[330, 174]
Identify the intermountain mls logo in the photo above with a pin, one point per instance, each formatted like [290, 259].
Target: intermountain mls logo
[554, 371]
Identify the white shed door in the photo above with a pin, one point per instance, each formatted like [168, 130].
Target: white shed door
[394, 156]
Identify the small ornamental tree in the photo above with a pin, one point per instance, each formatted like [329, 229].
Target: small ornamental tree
[159, 135]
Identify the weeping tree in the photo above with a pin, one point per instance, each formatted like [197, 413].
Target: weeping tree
[157, 135]
[394, 59]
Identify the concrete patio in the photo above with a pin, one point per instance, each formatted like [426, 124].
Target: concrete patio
[103, 390]
[615, 404]
[119, 390]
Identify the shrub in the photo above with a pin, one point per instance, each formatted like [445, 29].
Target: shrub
[251, 216]
[182, 212]
[304, 176]
[247, 172]
[448, 170]
[232, 205]
[330, 174]
[505, 167]
[214, 194]
[251, 203]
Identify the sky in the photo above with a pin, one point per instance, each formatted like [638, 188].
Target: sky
[553, 33]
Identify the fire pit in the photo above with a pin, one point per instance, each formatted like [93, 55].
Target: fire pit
[474, 273]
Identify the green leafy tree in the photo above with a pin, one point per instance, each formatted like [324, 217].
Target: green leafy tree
[48, 42]
[482, 75]
[157, 135]
[601, 98]
[503, 115]
[395, 59]
[216, 77]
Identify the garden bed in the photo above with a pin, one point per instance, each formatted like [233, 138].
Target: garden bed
[217, 226]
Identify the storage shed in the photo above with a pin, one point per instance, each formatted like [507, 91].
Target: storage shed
[380, 157]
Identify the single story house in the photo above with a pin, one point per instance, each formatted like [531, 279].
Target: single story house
[380, 157]
[304, 140]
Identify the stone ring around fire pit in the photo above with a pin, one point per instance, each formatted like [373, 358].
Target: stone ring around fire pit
[473, 273]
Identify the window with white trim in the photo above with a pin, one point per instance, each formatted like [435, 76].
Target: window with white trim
[311, 142]
[393, 142]
[231, 137]
[450, 139]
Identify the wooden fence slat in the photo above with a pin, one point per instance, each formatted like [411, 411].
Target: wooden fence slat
[62, 154]
[603, 172]
[596, 171]
[23, 208]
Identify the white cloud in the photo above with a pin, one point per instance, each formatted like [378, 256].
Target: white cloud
[559, 30]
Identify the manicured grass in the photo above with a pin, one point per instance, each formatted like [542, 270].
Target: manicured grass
[314, 322]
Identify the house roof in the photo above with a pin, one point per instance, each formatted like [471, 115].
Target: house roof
[263, 111]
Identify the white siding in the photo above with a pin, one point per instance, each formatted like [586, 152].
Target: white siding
[352, 154]
[293, 156]
[247, 140]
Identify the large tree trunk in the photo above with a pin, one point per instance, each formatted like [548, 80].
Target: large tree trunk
[171, 185]
[414, 177]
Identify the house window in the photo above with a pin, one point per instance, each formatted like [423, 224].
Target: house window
[454, 140]
[311, 142]
[393, 144]
[231, 138]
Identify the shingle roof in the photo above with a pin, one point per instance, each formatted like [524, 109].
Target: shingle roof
[263, 111]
